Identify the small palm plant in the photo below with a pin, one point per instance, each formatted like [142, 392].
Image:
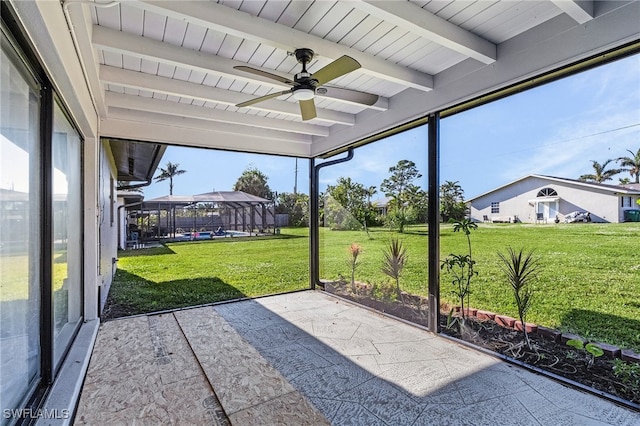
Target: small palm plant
[395, 257]
[461, 266]
[521, 270]
[354, 260]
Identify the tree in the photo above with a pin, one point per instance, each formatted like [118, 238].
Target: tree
[631, 164]
[296, 205]
[452, 205]
[253, 181]
[402, 177]
[169, 172]
[346, 206]
[600, 174]
[403, 192]
[399, 216]
[418, 199]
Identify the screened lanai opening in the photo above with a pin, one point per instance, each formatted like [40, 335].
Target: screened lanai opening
[225, 225]
[373, 214]
[552, 171]
[537, 195]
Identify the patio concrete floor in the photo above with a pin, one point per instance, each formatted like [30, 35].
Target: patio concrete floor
[307, 358]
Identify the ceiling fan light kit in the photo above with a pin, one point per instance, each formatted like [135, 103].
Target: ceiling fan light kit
[303, 94]
[306, 85]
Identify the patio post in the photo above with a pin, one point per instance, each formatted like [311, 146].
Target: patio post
[314, 270]
[434, 220]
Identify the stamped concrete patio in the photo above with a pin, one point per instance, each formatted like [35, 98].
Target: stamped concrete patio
[309, 359]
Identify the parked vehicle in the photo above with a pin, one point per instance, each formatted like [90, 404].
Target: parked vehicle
[577, 216]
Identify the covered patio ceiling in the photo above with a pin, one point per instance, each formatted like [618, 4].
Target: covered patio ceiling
[167, 72]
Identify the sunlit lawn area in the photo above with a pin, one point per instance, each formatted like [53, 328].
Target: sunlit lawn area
[589, 283]
[198, 272]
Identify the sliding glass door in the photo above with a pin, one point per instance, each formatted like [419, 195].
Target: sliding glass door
[40, 233]
[20, 239]
[67, 239]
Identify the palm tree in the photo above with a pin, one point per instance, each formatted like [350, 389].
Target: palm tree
[631, 164]
[600, 174]
[169, 172]
[369, 192]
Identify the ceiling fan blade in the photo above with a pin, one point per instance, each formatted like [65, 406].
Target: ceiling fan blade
[335, 69]
[308, 109]
[264, 98]
[264, 74]
[347, 95]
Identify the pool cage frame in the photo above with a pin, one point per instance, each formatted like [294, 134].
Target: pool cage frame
[175, 217]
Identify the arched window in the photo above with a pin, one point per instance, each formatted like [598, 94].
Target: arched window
[547, 192]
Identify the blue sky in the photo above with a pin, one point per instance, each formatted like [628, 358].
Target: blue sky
[555, 129]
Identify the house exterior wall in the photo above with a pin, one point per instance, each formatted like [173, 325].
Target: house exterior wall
[516, 201]
[107, 222]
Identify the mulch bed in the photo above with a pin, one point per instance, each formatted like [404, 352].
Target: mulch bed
[546, 354]
[113, 310]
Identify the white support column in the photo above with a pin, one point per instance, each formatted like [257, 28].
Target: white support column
[92, 279]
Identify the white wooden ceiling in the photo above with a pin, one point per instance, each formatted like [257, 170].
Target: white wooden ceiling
[163, 71]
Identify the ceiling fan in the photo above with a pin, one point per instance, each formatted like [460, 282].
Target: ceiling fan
[306, 85]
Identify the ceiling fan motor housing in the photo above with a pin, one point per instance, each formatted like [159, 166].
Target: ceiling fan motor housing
[304, 56]
[305, 86]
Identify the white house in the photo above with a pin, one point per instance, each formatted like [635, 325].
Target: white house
[541, 198]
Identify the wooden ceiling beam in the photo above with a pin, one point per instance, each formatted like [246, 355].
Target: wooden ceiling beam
[417, 20]
[241, 24]
[169, 86]
[580, 11]
[212, 114]
[118, 113]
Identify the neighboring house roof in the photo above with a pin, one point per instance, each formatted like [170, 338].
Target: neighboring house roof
[635, 186]
[381, 202]
[587, 185]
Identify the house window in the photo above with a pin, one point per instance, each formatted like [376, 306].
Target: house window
[495, 207]
[547, 192]
[626, 201]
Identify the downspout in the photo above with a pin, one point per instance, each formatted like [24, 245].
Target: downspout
[76, 46]
[314, 211]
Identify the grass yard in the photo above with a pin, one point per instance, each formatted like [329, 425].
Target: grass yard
[589, 283]
[199, 272]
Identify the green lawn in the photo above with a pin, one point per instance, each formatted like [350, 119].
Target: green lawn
[589, 283]
[198, 272]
